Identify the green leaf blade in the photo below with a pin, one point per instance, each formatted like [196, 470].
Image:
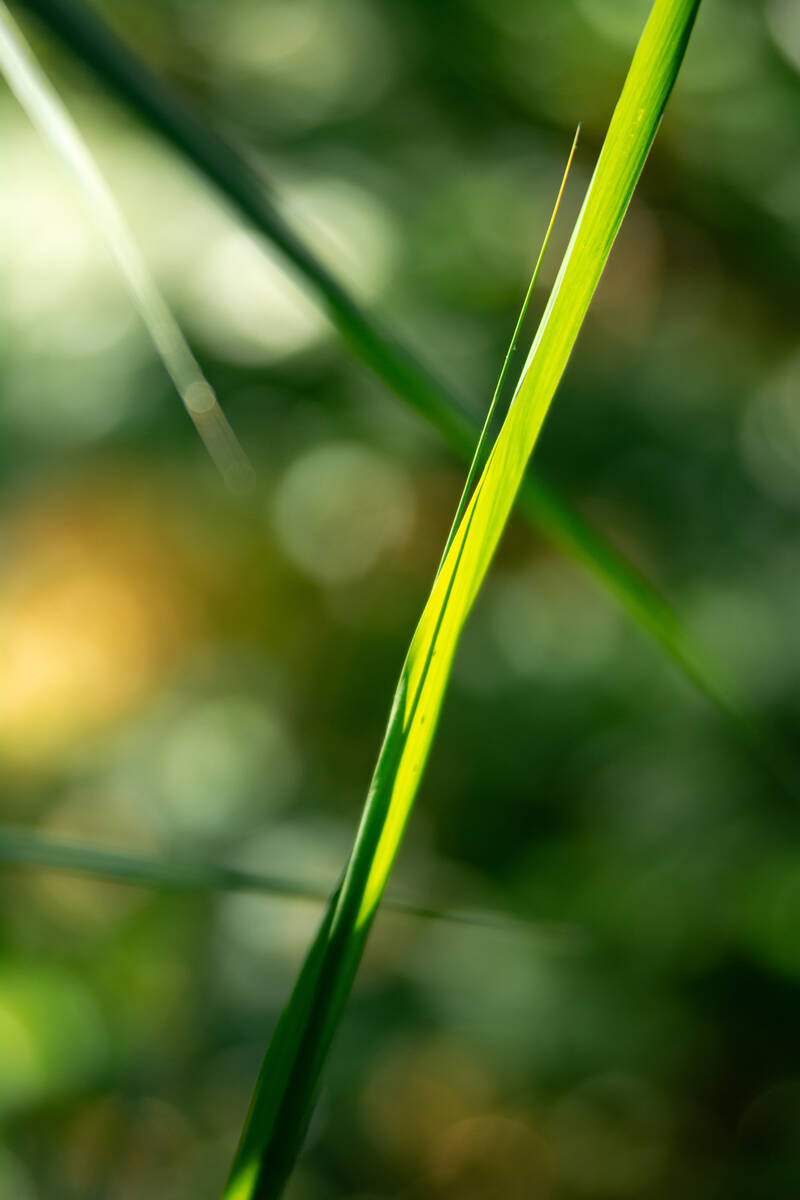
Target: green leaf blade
[283, 1102]
[88, 37]
[52, 120]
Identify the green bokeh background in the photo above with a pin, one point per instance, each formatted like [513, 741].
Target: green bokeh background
[184, 673]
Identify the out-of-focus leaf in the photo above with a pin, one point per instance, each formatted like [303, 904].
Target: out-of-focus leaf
[45, 109]
[85, 33]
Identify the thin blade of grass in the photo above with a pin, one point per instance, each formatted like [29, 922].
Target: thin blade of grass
[52, 120]
[32, 848]
[87, 36]
[290, 1076]
[538, 501]
[478, 455]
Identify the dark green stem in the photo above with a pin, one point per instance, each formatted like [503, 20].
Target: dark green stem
[87, 36]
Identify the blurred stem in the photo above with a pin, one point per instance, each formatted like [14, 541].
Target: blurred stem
[87, 36]
[30, 848]
[51, 118]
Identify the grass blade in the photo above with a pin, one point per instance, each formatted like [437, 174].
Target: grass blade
[87, 36]
[290, 1076]
[31, 848]
[477, 457]
[48, 114]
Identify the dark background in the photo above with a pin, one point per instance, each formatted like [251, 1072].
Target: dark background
[184, 673]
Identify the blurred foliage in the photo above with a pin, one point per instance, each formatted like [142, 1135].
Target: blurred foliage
[188, 673]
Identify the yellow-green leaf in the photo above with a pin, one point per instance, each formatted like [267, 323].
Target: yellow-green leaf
[290, 1075]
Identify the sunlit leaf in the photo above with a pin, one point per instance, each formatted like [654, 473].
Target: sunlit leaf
[290, 1076]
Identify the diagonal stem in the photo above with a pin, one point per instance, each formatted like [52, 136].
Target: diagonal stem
[127, 77]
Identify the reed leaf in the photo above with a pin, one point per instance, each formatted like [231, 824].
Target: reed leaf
[48, 114]
[291, 1072]
[88, 37]
[33, 848]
